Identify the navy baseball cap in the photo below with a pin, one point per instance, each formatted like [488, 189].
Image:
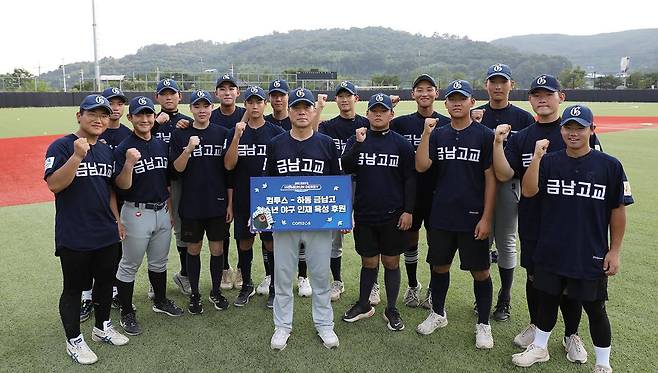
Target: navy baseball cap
[167, 84]
[459, 86]
[279, 85]
[200, 95]
[424, 78]
[499, 69]
[545, 81]
[92, 102]
[112, 92]
[346, 86]
[580, 114]
[254, 91]
[301, 95]
[140, 103]
[380, 99]
[226, 78]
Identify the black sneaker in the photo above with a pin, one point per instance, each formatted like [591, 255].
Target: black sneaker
[86, 307]
[220, 301]
[246, 292]
[502, 312]
[195, 307]
[130, 325]
[270, 300]
[392, 316]
[168, 307]
[358, 312]
[115, 302]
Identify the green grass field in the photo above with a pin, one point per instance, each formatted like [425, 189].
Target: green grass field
[238, 339]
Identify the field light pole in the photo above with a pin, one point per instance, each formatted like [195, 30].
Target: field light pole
[97, 68]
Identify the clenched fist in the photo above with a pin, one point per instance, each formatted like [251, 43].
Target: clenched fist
[183, 123]
[132, 156]
[194, 141]
[81, 147]
[477, 114]
[361, 134]
[239, 129]
[541, 146]
[501, 133]
[162, 118]
[395, 99]
[430, 124]
[322, 100]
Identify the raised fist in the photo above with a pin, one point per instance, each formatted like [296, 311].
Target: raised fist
[162, 118]
[194, 141]
[361, 134]
[182, 123]
[395, 99]
[81, 147]
[430, 124]
[477, 114]
[322, 100]
[541, 146]
[501, 133]
[132, 156]
[239, 129]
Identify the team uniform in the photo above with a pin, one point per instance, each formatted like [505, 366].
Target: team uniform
[283, 123]
[113, 136]
[227, 121]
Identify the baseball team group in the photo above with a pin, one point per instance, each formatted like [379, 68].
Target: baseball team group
[473, 179]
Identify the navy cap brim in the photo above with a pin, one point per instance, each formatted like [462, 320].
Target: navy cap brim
[552, 89]
[424, 79]
[278, 90]
[301, 99]
[233, 83]
[200, 99]
[124, 98]
[169, 88]
[96, 106]
[499, 74]
[141, 108]
[467, 94]
[247, 97]
[380, 104]
[339, 90]
[580, 121]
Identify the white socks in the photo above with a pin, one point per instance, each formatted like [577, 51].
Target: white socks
[541, 338]
[602, 356]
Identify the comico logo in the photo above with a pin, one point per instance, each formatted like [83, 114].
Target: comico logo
[166, 82]
[379, 98]
[253, 89]
[299, 93]
[199, 94]
[116, 91]
[276, 84]
[142, 100]
[575, 111]
[541, 80]
[497, 67]
[100, 100]
[456, 85]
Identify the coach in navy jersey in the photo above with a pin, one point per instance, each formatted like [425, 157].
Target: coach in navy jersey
[168, 95]
[545, 96]
[302, 152]
[340, 128]
[79, 170]
[582, 194]
[142, 182]
[498, 111]
[245, 156]
[197, 153]
[278, 95]
[424, 92]
[462, 207]
[383, 160]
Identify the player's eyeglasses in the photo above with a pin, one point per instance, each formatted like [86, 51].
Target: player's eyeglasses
[95, 116]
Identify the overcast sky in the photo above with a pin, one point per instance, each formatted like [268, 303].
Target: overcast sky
[46, 33]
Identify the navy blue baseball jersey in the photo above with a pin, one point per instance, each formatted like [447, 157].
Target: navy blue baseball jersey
[383, 165]
[576, 198]
[163, 131]
[283, 123]
[315, 156]
[113, 136]
[460, 158]
[519, 151]
[251, 156]
[227, 121]
[340, 129]
[83, 219]
[150, 172]
[512, 115]
[204, 179]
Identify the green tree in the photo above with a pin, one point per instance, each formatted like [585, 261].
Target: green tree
[385, 79]
[572, 78]
[607, 82]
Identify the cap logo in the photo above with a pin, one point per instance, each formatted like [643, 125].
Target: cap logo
[226, 76]
[142, 100]
[116, 91]
[497, 67]
[276, 84]
[200, 94]
[379, 98]
[299, 93]
[456, 85]
[100, 100]
[253, 89]
[343, 84]
[541, 80]
[575, 111]
[166, 82]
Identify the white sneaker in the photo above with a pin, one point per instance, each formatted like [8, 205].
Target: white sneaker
[576, 352]
[237, 279]
[150, 293]
[108, 335]
[279, 339]
[304, 287]
[337, 288]
[79, 351]
[329, 338]
[183, 283]
[374, 297]
[227, 279]
[432, 322]
[602, 369]
[412, 296]
[483, 337]
[264, 286]
[532, 354]
[526, 337]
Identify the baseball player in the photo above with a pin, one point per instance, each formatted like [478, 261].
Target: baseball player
[498, 111]
[462, 207]
[340, 129]
[381, 160]
[285, 153]
[112, 136]
[79, 170]
[245, 156]
[197, 153]
[545, 96]
[227, 115]
[168, 95]
[424, 92]
[582, 194]
[278, 95]
[143, 160]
